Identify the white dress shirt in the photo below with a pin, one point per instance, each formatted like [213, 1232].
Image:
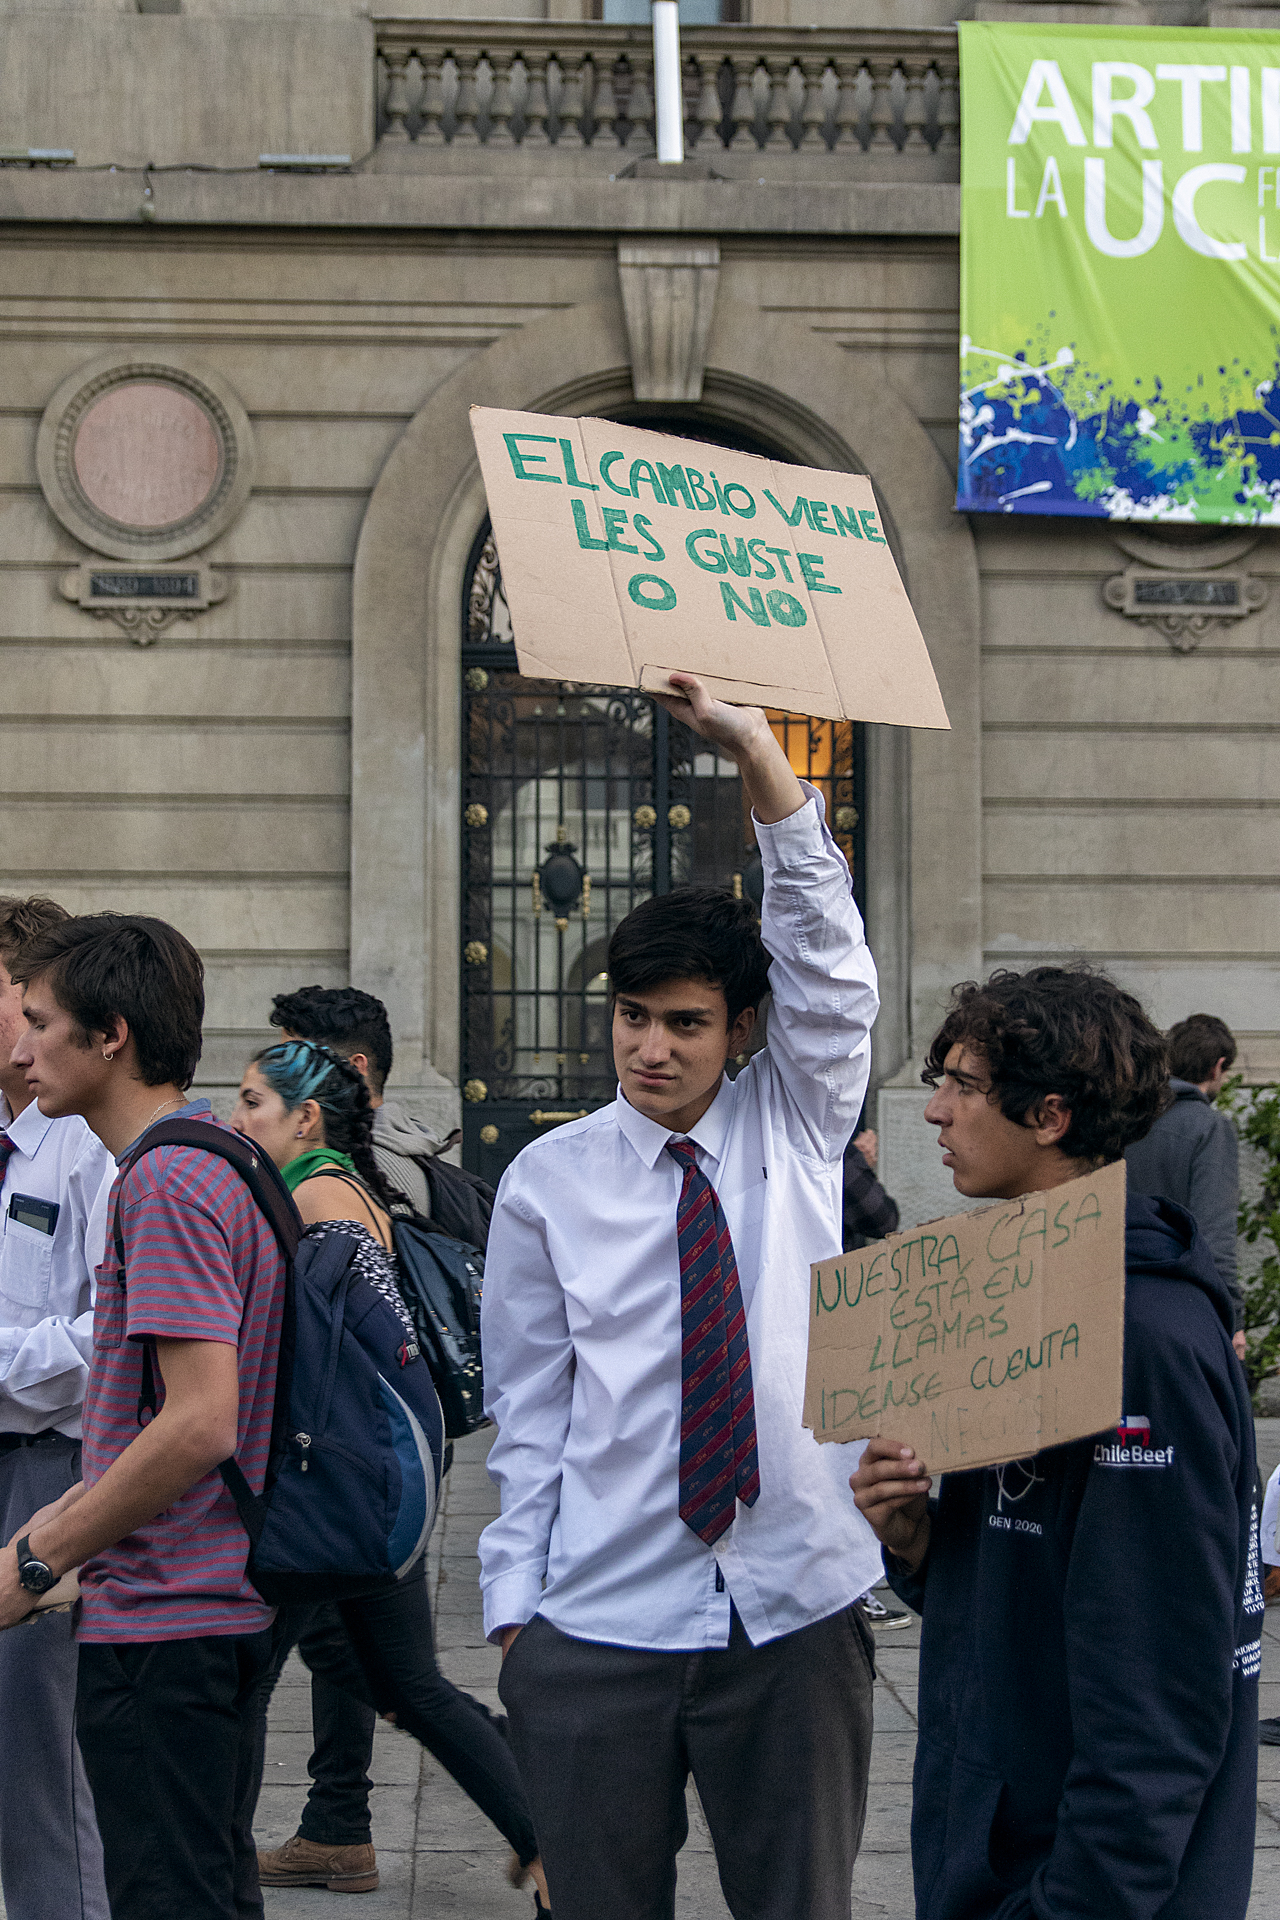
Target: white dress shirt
[581, 1319]
[47, 1283]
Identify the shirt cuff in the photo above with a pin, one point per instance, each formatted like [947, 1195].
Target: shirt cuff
[510, 1600]
[803, 835]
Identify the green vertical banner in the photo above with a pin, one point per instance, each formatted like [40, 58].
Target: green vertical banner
[1120, 273]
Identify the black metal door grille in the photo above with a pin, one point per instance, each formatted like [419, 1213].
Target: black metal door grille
[641, 804]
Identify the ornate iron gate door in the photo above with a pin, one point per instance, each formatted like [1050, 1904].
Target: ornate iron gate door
[578, 802]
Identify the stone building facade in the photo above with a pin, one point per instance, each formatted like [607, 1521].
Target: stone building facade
[251, 377]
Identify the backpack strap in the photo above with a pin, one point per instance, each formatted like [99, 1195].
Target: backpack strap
[273, 1200]
[366, 1193]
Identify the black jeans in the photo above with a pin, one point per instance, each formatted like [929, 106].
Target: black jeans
[777, 1738]
[337, 1809]
[168, 1732]
[381, 1650]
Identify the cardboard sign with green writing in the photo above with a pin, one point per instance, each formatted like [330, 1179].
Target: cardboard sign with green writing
[978, 1338]
[627, 554]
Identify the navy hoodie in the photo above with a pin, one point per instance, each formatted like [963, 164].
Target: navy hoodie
[1089, 1658]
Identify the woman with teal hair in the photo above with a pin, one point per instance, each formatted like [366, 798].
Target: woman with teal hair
[309, 1111]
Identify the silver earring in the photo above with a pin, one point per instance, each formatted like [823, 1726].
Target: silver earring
[106, 1055]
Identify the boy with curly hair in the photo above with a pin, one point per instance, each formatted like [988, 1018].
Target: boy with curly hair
[1089, 1675]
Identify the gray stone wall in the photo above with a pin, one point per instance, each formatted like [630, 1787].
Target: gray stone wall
[1101, 792]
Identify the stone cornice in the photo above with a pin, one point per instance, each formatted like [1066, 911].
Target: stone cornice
[481, 204]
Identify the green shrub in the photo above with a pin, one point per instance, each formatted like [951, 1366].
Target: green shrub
[1256, 1112]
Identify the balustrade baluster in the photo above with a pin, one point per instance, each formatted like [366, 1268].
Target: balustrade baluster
[915, 107]
[501, 102]
[535, 101]
[572, 99]
[779, 114]
[882, 114]
[948, 105]
[397, 107]
[848, 105]
[466, 103]
[431, 104]
[604, 103]
[813, 114]
[709, 113]
[742, 111]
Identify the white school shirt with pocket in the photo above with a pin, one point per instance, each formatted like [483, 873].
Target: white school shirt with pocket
[47, 1280]
[581, 1319]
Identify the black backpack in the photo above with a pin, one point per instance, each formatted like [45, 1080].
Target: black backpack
[461, 1202]
[442, 1279]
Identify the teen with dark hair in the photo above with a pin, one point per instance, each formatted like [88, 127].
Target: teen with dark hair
[355, 1025]
[1090, 1649]
[309, 1110]
[173, 1638]
[55, 1177]
[674, 1572]
[1192, 1154]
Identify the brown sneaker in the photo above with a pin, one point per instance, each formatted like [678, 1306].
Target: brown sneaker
[301, 1863]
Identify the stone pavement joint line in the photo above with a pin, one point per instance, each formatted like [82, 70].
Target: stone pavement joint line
[440, 1857]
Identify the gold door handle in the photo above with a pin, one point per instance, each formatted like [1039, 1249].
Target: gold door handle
[541, 1119]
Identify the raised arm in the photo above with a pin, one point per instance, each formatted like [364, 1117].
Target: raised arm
[822, 979]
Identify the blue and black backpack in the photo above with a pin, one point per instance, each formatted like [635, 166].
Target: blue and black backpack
[357, 1435]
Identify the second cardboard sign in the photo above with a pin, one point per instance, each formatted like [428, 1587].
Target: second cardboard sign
[979, 1338]
[627, 554]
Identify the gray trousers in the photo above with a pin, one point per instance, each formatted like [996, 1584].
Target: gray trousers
[777, 1738]
[50, 1854]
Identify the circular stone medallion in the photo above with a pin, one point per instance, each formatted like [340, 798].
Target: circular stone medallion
[147, 455]
[145, 459]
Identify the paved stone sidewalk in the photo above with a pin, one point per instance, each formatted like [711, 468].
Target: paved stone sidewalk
[438, 1855]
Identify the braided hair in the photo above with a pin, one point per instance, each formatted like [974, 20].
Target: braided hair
[301, 1070]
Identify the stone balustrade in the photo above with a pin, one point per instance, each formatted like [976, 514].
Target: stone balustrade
[885, 103]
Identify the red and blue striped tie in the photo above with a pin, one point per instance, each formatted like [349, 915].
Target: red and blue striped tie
[718, 1462]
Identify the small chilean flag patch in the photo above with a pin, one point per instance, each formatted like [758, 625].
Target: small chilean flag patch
[1134, 1430]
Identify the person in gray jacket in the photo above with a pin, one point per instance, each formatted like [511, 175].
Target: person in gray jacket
[1191, 1154]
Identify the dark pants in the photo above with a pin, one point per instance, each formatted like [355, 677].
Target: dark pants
[777, 1738]
[337, 1809]
[381, 1651]
[168, 1733]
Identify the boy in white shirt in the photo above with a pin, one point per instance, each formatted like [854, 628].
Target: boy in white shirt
[645, 1324]
[55, 1179]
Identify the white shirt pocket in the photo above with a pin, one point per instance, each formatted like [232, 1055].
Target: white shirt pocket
[26, 1266]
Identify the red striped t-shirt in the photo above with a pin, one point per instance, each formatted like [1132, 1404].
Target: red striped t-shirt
[201, 1263]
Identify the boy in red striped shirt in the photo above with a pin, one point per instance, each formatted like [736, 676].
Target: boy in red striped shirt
[173, 1638]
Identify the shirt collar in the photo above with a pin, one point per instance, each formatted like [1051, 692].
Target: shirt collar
[28, 1129]
[649, 1137]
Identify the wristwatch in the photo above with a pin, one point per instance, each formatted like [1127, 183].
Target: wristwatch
[34, 1575]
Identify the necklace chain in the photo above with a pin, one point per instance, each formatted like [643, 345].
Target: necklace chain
[171, 1102]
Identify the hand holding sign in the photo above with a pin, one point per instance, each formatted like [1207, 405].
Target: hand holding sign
[744, 734]
[625, 551]
[891, 1492]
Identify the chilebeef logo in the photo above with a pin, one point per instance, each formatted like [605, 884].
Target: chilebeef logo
[1132, 1446]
